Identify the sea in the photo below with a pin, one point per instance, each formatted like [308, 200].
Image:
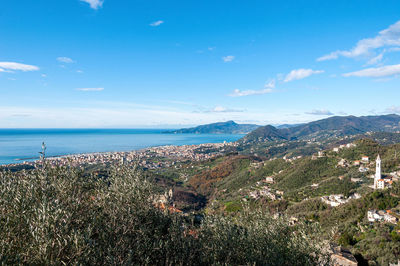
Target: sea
[18, 145]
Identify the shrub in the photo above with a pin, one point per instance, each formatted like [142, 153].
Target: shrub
[59, 216]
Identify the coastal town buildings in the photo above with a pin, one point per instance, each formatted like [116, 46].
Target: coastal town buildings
[145, 158]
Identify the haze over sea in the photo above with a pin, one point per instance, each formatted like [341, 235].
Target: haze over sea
[17, 145]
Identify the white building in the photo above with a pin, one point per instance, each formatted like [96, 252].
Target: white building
[378, 168]
[380, 216]
[389, 218]
[343, 163]
[269, 179]
[379, 183]
[349, 145]
[374, 216]
[336, 200]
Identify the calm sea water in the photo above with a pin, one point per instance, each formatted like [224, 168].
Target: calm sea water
[26, 143]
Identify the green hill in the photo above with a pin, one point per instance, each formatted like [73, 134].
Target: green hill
[229, 127]
[332, 126]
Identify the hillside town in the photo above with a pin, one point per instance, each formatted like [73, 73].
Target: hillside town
[146, 158]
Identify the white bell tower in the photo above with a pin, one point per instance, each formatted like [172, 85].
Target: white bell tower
[378, 174]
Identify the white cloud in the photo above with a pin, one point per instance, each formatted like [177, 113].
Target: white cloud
[228, 58]
[333, 55]
[64, 59]
[320, 112]
[79, 71]
[301, 74]
[95, 4]
[9, 66]
[376, 59]
[90, 89]
[221, 109]
[386, 37]
[376, 72]
[393, 109]
[103, 114]
[268, 88]
[239, 93]
[156, 23]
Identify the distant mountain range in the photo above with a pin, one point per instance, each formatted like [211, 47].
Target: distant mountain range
[337, 125]
[332, 126]
[229, 127]
[287, 125]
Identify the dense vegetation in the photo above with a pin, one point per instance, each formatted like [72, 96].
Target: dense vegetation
[374, 242]
[228, 181]
[332, 126]
[58, 216]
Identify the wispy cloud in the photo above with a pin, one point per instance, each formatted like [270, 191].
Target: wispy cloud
[156, 23]
[221, 109]
[301, 74]
[386, 37]
[376, 59]
[10, 66]
[128, 114]
[376, 72]
[393, 109]
[320, 112]
[20, 115]
[333, 55]
[228, 58]
[64, 59]
[95, 4]
[90, 89]
[268, 88]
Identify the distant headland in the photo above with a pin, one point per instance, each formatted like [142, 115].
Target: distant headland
[229, 127]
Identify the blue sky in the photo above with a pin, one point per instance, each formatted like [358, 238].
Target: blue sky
[115, 63]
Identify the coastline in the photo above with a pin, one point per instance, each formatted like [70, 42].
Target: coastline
[19, 146]
[195, 152]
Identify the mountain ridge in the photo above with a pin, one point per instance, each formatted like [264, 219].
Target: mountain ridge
[336, 125]
[228, 127]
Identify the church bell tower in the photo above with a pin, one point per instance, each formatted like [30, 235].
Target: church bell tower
[377, 172]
